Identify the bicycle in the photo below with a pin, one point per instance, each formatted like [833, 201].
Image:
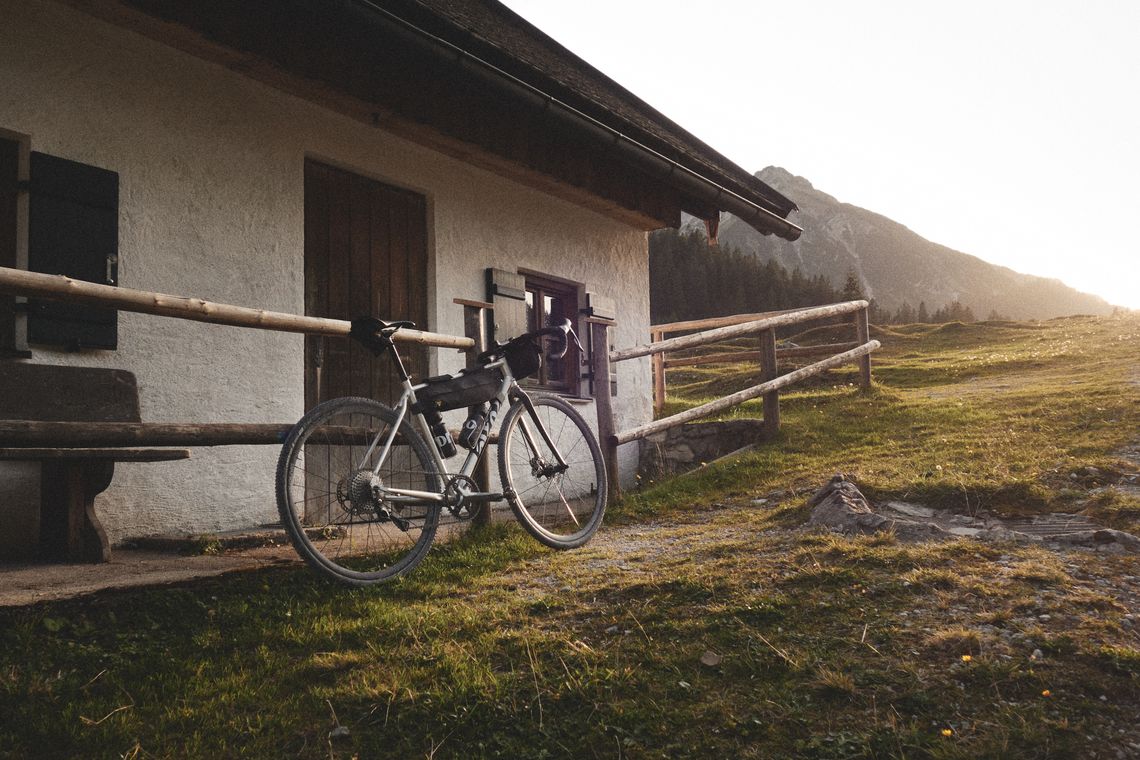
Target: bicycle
[362, 493]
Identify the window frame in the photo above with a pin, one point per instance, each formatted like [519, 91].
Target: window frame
[538, 286]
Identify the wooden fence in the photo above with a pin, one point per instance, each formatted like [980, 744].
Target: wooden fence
[719, 329]
[476, 317]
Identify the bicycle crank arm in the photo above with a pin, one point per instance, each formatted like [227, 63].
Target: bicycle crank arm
[482, 497]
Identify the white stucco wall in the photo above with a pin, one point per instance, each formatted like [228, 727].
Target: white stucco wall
[211, 205]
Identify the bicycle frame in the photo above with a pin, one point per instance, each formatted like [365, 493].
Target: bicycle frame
[508, 389]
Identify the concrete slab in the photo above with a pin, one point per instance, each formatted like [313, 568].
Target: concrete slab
[25, 584]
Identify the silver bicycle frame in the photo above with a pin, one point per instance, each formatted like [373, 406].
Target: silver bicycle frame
[407, 399]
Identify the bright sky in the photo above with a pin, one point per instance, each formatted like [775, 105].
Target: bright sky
[1005, 129]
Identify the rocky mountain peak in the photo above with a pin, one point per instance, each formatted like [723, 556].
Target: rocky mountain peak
[894, 264]
[781, 179]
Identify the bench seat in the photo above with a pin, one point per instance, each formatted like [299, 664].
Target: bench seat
[70, 479]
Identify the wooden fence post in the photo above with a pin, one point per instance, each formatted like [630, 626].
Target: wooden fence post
[475, 327]
[863, 334]
[600, 361]
[769, 371]
[658, 373]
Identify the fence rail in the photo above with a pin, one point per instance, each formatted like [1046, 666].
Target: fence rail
[723, 328]
[58, 287]
[747, 394]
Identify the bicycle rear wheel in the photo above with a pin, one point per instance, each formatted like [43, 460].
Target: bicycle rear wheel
[326, 498]
[560, 507]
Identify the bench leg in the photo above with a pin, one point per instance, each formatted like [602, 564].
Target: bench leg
[69, 529]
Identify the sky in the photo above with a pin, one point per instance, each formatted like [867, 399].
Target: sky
[1005, 129]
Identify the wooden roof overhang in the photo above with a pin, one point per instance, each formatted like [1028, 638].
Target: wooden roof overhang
[414, 71]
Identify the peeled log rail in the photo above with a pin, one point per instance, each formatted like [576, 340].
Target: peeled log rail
[92, 434]
[60, 288]
[755, 391]
[68, 435]
[744, 356]
[732, 331]
[704, 324]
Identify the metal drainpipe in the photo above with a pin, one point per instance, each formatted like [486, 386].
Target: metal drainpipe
[649, 160]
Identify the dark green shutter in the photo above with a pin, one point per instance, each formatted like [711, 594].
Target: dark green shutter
[507, 290]
[73, 219]
[9, 190]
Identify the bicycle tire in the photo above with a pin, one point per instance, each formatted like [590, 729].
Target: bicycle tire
[561, 510]
[333, 531]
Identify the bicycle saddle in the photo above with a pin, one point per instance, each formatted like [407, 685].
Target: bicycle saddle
[376, 334]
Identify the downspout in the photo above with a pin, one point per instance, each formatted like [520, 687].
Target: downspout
[656, 165]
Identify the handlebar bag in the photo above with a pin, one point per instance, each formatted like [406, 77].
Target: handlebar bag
[465, 389]
[524, 358]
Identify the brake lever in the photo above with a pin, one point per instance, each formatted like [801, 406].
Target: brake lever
[577, 343]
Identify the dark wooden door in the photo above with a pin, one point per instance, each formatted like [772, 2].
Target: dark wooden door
[365, 255]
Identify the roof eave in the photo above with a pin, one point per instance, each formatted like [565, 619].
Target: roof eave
[704, 188]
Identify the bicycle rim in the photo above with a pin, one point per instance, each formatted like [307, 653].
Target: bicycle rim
[560, 509]
[326, 501]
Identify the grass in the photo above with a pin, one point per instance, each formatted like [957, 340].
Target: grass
[825, 646]
[971, 417]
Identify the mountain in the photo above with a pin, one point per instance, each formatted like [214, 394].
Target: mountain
[895, 264]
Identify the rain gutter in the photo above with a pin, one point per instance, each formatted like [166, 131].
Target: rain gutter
[652, 162]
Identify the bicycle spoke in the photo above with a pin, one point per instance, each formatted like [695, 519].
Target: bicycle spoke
[547, 485]
[326, 496]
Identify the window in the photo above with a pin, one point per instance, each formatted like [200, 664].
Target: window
[547, 300]
[525, 301]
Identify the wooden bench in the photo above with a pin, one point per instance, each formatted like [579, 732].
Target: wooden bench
[69, 482]
[72, 476]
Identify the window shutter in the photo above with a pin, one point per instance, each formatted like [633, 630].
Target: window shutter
[73, 220]
[9, 190]
[507, 290]
[601, 307]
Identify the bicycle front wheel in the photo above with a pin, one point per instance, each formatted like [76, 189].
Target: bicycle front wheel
[561, 506]
[328, 500]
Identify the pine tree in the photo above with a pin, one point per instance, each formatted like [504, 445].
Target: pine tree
[690, 280]
[852, 288]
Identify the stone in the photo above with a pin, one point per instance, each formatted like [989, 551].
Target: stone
[680, 453]
[1102, 538]
[340, 732]
[912, 510]
[840, 506]
[711, 659]
[961, 530]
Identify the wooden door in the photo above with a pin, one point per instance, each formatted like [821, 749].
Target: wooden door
[365, 255]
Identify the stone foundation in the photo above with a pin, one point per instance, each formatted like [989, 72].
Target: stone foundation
[686, 447]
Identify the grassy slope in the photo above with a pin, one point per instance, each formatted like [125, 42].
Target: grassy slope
[830, 647]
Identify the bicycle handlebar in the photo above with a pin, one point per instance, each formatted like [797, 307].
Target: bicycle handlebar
[559, 332]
